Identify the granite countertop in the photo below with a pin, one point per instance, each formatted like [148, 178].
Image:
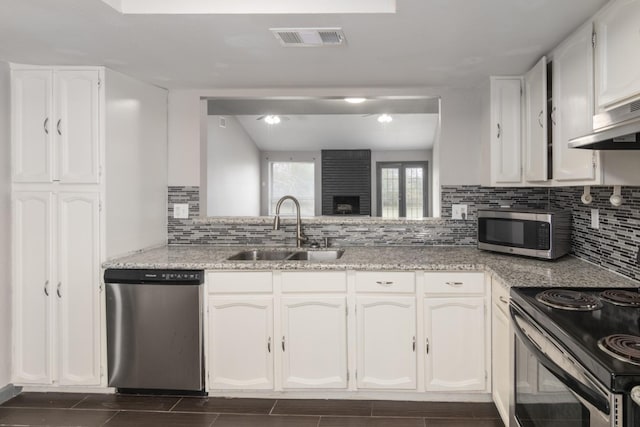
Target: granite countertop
[510, 270]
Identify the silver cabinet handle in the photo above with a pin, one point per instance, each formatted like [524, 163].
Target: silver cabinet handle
[553, 116]
[455, 284]
[384, 283]
[427, 347]
[269, 345]
[540, 119]
[283, 343]
[499, 131]
[46, 288]
[413, 346]
[504, 300]
[58, 290]
[58, 127]
[46, 125]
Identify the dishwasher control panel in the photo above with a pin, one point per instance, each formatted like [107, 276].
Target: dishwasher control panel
[145, 276]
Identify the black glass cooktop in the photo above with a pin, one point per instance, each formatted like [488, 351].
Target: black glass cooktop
[580, 332]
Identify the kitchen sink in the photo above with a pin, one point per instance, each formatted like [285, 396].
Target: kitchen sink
[316, 255]
[280, 255]
[265, 255]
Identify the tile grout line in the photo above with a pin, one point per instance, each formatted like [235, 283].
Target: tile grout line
[214, 420]
[81, 400]
[319, 420]
[110, 418]
[175, 404]
[275, 402]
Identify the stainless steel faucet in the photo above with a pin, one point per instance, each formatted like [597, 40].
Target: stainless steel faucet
[300, 237]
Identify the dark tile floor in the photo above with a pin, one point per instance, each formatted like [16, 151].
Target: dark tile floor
[71, 409]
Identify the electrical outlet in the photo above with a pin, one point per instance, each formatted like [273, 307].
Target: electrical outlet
[181, 210]
[595, 218]
[458, 211]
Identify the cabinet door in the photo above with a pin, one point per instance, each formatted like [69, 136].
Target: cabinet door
[500, 363]
[32, 125]
[535, 141]
[455, 344]
[32, 287]
[314, 342]
[506, 130]
[78, 288]
[618, 53]
[77, 125]
[240, 354]
[572, 114]
[386, 337]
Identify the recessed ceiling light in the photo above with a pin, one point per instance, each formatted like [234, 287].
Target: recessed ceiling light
[272, 120]
[355, 100]
[385, 118]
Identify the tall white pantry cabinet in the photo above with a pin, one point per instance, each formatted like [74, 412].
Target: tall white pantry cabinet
[63, 202]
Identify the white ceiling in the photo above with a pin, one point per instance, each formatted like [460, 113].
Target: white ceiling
[342, 132]
[456, 43]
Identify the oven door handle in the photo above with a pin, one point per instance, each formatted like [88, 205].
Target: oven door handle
[600, 402]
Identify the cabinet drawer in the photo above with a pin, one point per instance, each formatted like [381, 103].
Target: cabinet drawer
[332, 281]
[231, 282]
[454, 283]
[385, 281]
[500, 295]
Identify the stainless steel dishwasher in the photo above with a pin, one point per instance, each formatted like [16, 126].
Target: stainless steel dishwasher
[155, 330]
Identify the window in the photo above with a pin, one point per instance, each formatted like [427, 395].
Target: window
[402, 189]
[294, 179]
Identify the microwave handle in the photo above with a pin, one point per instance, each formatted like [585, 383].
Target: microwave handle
[582, 391]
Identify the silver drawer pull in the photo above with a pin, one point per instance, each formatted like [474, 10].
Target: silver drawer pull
[269, 345]
[384, 283]
[46, 125]
[414, 344]
[58, 127]
[46, 288]
[58, 290]
[427, 348]
[503, 300]
[455, 284]
[283, 343]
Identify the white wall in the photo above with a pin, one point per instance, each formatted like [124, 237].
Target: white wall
[233, 170]
[5, 228]
[400, 156]
[456, 156]
[136, 162]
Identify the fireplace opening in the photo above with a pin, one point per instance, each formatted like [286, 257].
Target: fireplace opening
[346, 205]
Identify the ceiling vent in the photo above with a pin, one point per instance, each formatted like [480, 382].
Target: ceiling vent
[309, 37]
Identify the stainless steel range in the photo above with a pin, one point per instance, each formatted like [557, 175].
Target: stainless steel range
[577, 357]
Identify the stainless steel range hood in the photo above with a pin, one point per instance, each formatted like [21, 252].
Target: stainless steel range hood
[617, 129]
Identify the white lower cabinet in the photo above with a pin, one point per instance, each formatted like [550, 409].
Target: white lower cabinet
[314, 342]
[386, 342]
[501, 374]
[241, 342]
[454, 330]
[57, 293]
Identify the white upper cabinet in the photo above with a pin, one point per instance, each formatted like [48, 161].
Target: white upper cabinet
[314, 342]
[617, 29]
[535, 142]
[32, 126]
[56, 126]
[506, 130]
[572, 114]
[77, 125]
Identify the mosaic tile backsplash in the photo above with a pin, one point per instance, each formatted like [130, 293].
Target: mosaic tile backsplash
[352, 233]
[615, 244]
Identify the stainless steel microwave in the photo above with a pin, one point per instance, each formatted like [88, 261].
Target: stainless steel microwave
[536, 233]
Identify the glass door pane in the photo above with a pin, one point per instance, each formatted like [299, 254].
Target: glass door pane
[390, 192]
[414, 192]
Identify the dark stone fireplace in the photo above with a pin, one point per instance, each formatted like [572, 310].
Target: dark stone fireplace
[346, 182]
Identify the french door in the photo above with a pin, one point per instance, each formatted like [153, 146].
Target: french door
[402, 189]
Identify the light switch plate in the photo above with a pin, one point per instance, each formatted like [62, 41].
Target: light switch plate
[181, 210]
[458, 211]
[595, 218]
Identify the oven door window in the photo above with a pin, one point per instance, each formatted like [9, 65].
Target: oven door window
[541, 400]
